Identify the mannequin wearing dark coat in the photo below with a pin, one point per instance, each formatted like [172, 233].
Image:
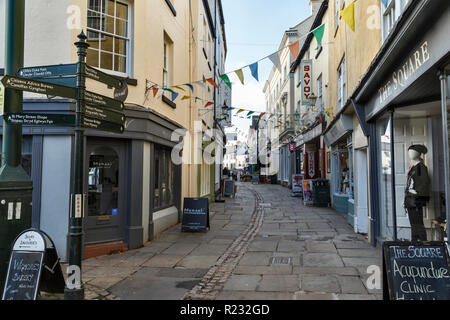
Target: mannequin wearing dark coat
[417, 193]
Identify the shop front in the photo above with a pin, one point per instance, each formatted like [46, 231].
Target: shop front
[338, 137]
[132, 187]
[404, 99]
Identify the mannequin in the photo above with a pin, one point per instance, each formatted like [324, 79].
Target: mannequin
[417, 192]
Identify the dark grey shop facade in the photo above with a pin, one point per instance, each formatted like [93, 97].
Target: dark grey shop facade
[133, 189]
[403, 101]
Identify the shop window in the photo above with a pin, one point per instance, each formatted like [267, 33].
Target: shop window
[27, 154]
[108, 35]
[391, 13]
[336, 9]
[103, 180]
[343, 175]
[164, 179]
[412, 184]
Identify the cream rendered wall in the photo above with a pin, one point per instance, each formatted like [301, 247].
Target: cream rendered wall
[359, 47]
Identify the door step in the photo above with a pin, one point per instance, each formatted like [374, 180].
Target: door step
[103, 249]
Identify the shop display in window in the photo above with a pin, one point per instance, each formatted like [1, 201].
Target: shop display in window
[417, 192]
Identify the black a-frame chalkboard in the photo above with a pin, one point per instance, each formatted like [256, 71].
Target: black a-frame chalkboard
[195, 215]
[33, 267]
[416, 271]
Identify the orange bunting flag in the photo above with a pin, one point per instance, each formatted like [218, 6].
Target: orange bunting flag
[209, 104]
[294, 48]
[210, 80]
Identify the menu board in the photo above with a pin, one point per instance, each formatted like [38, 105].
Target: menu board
[22, 282]
[228, 188]
[414, 271]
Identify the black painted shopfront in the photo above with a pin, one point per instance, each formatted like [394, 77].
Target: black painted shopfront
[129, 178]
[404, 100]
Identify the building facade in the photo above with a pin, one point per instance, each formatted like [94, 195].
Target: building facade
[134, 189]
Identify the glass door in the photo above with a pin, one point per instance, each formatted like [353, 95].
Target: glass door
[105, 218]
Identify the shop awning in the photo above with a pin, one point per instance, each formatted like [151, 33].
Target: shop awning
[340, 128]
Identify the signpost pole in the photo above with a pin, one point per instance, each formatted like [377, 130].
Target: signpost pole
[77, 196]
[15, 184]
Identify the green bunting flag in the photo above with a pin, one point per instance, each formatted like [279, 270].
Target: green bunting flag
[225, 79]
[318, 33]
[250, 113]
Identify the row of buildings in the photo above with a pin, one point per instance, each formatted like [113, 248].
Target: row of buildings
[134, 190]
[348, 110]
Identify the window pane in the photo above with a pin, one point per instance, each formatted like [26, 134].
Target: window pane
[106, 60]
[94, 20]
[120, 64]
[120, 46]
[110, 8]
[94, 5]
[108, 26]
[92, 58]
[121, 28]
[93, 39]
[122, 11]
[156, 185]
[107, 43]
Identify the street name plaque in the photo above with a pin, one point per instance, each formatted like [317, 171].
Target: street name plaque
[98, 99]
[102, 77]
[48, 71]
[416, 271]
[34, 86]
[104, 114]
[92, 123]
[31, 119]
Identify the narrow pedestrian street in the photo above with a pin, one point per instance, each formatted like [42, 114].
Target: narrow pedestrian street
[263, 245]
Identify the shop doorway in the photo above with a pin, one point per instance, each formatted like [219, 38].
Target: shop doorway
[361, 183]
[106, 176]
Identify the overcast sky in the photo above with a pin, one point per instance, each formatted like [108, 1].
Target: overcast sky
[254, 29]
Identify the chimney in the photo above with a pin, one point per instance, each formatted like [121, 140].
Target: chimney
[315, 6]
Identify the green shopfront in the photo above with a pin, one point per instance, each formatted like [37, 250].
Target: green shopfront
[404, 100]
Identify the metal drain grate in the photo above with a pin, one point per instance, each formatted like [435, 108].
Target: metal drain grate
[280, 260]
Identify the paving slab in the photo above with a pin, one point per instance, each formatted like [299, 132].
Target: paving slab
[198, 261]
[346, 271]
[163, 261]
[322, 260]
[180, 248]
[242, 283]
[256, 259]
[352, 284]
[319, 284]
[255, 296]
[263, 246]
[263, 270]
[320, 247]
[279, 283]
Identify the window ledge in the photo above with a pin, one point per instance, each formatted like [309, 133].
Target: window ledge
[169, 3]
[169, 102]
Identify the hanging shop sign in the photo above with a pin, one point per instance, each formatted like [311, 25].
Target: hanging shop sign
[33, 266]
[307, 83]
[195, 214]
[413, 271]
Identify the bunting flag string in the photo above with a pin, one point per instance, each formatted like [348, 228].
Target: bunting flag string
[274, 57]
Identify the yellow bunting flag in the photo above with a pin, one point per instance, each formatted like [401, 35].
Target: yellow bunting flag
[179, 88]
[185, 98]
[348, 14]
[240, 75]
[240, 110]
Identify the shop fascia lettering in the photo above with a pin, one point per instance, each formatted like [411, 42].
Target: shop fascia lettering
[402, 74]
